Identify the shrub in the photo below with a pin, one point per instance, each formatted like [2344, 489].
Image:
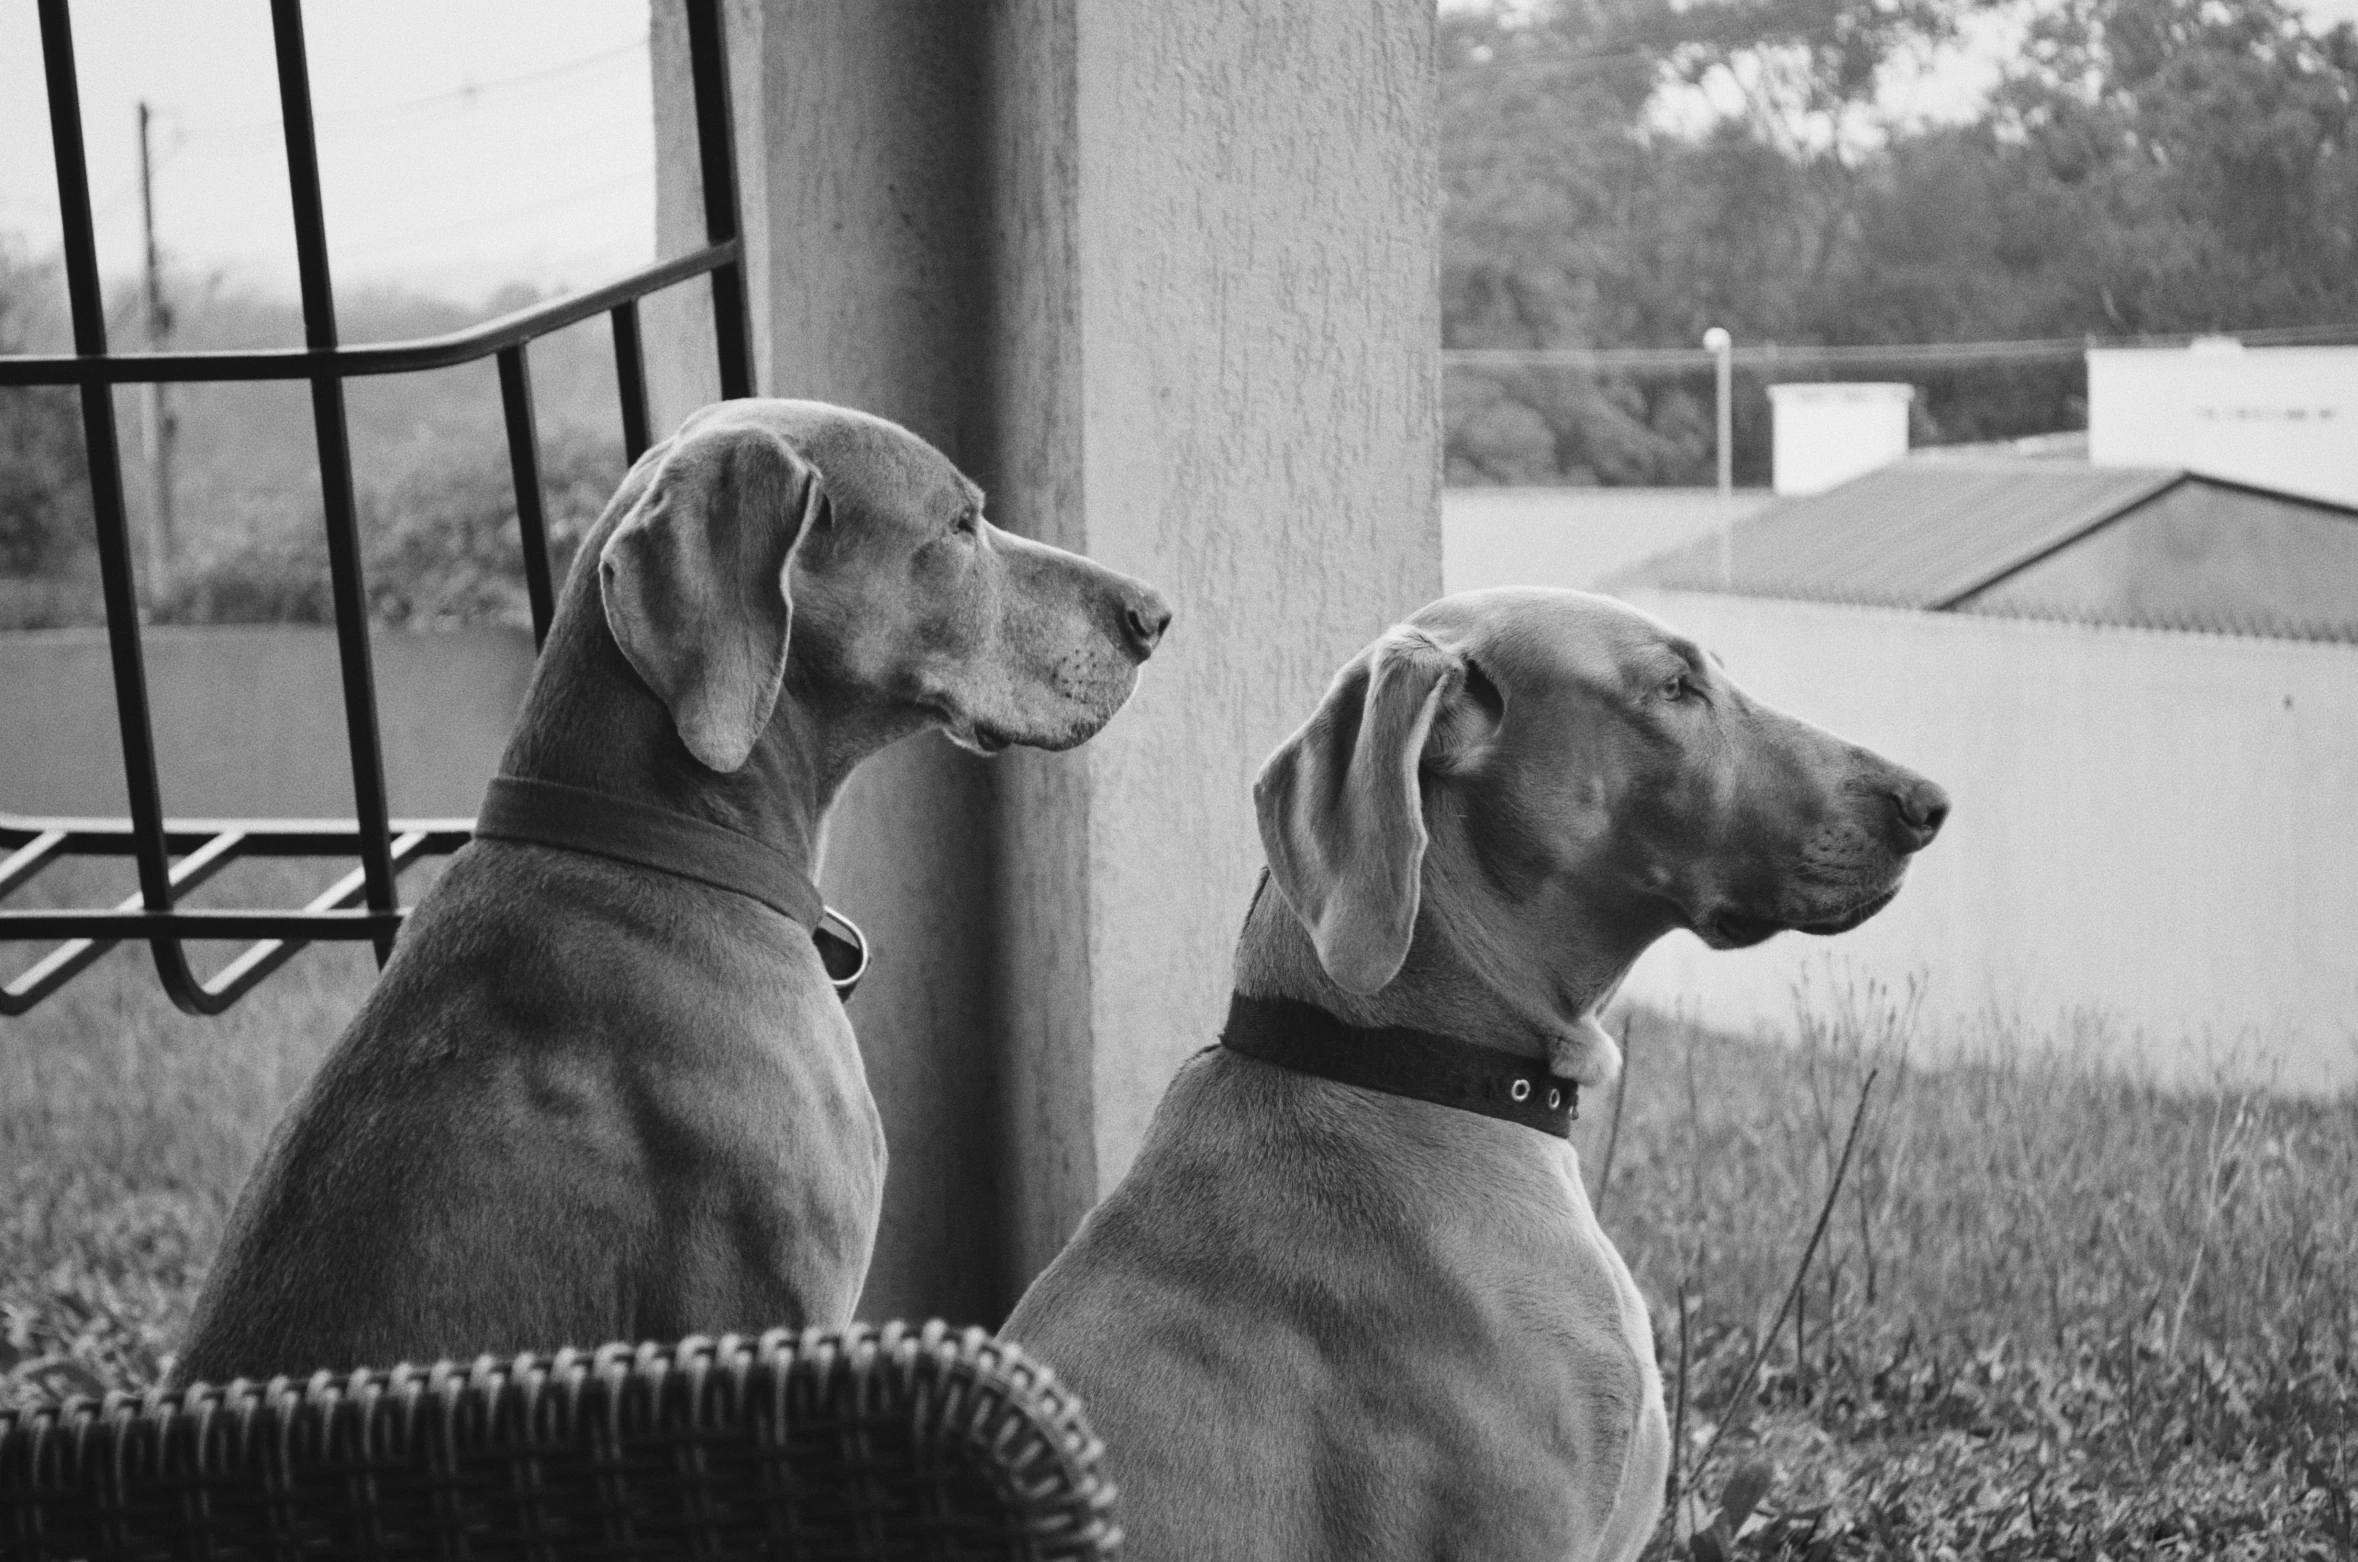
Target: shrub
[439, 544]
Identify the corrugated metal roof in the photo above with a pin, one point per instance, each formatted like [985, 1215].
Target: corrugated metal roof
[1916, 534]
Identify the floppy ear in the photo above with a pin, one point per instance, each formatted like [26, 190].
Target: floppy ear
[1341, 813]
[694, 583]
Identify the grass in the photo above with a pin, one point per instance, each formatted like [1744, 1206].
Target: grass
[2058, 1311]
[127, 1128]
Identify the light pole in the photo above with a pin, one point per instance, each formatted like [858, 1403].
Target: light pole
[1722, 347]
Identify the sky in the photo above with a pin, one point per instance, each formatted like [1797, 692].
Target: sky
[464, 144]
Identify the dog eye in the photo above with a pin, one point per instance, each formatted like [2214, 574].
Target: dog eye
[968, 521]
[1676, 687]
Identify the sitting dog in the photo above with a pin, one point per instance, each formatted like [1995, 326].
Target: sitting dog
[596, 1098]
[1376, 1319]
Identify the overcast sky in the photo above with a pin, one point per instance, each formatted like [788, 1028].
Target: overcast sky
[463, 143]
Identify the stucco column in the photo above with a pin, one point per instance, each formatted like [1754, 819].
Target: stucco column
[1162, 278]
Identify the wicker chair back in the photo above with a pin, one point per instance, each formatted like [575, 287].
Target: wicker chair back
[871, 1443]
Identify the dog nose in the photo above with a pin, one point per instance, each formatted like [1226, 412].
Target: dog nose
[1144, 618]
[1922, 807]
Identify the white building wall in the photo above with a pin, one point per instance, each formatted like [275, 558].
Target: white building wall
[2281, 417]
[2158, 828]
[1823, 435]
[1573, 536]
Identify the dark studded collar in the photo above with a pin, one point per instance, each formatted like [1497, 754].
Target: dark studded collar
[1422, 1065]
[572, 818]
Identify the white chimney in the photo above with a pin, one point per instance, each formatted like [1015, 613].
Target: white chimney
[2280, 417]
[1829, 434]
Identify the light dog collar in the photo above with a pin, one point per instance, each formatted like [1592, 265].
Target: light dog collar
[571, 818]
[1421, 1065]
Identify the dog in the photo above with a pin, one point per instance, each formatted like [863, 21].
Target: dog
[589, 1100]
[1320, 1321]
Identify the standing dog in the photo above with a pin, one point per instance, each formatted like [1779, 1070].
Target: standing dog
[1320, 1321]
[591, 1100]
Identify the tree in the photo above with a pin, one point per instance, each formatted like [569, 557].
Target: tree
[44, 475]
[2215, 146]
[2148, 166]
[439, 544]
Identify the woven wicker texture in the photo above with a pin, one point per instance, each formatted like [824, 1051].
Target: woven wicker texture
[872, 1443]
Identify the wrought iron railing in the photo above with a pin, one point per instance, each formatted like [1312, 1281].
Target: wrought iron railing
[174, 856]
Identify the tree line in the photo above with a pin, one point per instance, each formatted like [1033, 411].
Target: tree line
[1615, 173]
[2139, 167]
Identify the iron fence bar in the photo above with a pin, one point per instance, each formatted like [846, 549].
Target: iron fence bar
[30, 857]
[263, 837]
[716, 146]
[373, 358]
[630, 380]
[335, 467]
[234, 980]
[206, 847]
[180, 923]
[68, 960]
[116, 583]
[515, 399]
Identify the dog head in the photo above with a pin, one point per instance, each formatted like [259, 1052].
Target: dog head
[1547, 781]
[791, 542]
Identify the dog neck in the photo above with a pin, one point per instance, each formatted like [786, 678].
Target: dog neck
[590, 722]
[1441, 988]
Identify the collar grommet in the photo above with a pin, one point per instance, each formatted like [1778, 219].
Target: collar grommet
[1521, 1090]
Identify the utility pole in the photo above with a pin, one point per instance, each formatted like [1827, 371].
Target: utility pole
[156, 321]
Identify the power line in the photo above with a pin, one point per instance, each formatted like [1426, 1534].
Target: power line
[1771, 356]
[505, 214]
[465, 96]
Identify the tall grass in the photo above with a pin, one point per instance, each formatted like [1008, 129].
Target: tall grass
[2028, 1185]
[2150, 1291]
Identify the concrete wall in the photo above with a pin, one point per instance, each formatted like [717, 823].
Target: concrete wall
[1573, 536]
[1162, 278]
[2158, 828]
[250, 721]
[2280, 417]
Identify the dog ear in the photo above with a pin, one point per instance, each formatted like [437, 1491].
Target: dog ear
[1342, 814]
[694, 583]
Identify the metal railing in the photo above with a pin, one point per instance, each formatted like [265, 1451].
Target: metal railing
[174, 856]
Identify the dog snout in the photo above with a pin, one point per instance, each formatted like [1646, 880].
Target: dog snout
[1919, 808]
[1145, 615]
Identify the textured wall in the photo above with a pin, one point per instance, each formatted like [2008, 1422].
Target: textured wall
[1162, 278]
[2155, 829]
[250, 722]
[861, 175]
[1260, 383]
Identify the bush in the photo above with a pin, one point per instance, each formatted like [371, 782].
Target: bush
[439, 544]
[44, 483]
